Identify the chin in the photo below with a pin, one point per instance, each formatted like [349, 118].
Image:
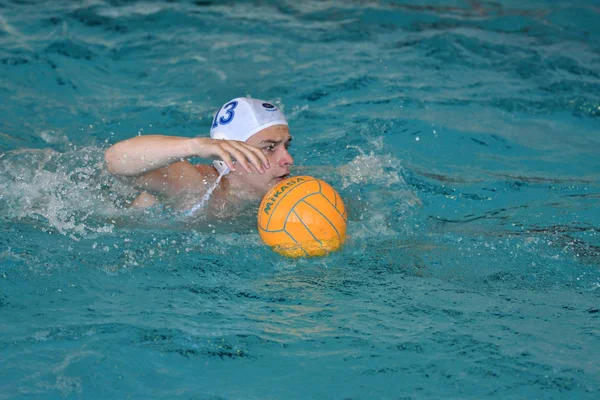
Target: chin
[270, 184]
[277, 180]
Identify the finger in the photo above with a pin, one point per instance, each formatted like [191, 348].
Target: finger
[223, 155]
[261, 155]
[262, 158]
[254, 155]
[239, 157]
[250, 156]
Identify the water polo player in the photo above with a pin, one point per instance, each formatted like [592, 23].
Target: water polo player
[249, 141]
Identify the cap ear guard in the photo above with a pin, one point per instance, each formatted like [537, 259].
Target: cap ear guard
[221, 167]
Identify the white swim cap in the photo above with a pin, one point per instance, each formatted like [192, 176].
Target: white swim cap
[241, 118]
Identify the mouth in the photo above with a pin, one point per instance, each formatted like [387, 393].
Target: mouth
[282, 177]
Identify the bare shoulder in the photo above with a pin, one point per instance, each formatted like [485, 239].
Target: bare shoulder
[176, 183]
[206, 170]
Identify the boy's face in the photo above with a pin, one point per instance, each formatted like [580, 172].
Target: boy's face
[274, 141]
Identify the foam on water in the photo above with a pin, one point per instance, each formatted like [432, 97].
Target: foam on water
[62, 192]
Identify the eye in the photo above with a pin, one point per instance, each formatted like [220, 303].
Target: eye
[270, 147]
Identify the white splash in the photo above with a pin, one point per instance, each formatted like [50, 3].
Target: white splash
[207, 195]
[67, 192]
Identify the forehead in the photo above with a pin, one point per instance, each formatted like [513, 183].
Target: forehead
[276, 133]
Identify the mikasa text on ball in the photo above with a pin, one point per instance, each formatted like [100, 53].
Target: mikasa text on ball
[302, 216]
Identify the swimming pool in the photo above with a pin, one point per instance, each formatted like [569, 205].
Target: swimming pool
[463, 137]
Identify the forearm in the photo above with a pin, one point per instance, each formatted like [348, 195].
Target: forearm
[142, 154]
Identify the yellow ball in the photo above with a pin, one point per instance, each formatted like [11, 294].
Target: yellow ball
[302, 216]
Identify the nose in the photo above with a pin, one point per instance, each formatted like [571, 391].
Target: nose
[286, 160]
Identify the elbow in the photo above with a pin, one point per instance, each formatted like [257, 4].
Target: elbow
[111, 161]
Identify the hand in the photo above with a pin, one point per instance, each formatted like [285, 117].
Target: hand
[229, 150]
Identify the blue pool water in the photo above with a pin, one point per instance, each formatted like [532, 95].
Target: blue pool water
[462, 135]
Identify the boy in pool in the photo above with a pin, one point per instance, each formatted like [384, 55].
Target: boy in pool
[249, 140]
